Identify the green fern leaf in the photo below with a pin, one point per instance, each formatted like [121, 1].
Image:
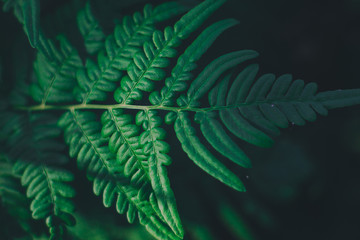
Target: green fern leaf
[156, 149]
[233, 120]
[28, 14]
[337, 99]
[143, 158]
[13, 197]
[83, 134]
[90, 29]
[278, 102]
[181, 73]
[201, 156]
[95, 81]
[207, 78]
[38, 159]
[56, 79]
[126, 159]
[216, 135]
[196, 17]
[249, 107]
[148, 65]
[124, 142]
[31, 13]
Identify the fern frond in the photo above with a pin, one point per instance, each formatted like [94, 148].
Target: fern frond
[126, 157]
[338, 98]
[12, 195]
[240, 126]
[201, 156]
[216, 135]
[148, 65]
[90, 29]
[96, 80]
[38, 159]
[31, 13]
[248, 109]
[268, 103]
[83, 134]
[124, 142]
[212, 130]
[155, 148]
[135, 31]
[143, 158]
[56, 79]
[28, 14]
[273, 104]
[181, 73]
[207, 78]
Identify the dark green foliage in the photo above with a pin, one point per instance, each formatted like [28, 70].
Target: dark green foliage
[97, 79]
[36, 156]
[125, 152]
[28, 13]
[31, 15]
[91, 31]
[83, 134]
[181, 73]
[56, 79]
[155, 149]
[148, 65]
[201, 155]
[12, 195]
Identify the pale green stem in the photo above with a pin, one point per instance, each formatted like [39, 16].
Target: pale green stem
[156, 107]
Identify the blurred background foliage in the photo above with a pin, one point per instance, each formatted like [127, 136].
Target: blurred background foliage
[305, 187]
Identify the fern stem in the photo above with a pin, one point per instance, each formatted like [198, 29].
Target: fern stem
[156, 107]
[50, 187]
[107, 107]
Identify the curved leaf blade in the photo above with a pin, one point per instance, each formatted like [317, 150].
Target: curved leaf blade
[198, 153]
[216, 135]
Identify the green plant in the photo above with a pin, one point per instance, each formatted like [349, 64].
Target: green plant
[125, 151]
